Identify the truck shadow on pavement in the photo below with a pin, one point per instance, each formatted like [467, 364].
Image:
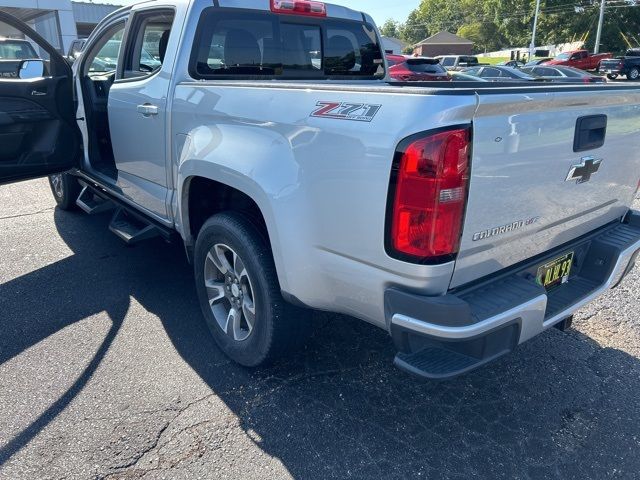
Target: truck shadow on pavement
[560, 406]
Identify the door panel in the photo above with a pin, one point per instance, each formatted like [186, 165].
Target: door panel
[137, 110]
[38, 132]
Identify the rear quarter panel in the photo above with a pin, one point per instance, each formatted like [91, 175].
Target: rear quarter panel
[321, 183]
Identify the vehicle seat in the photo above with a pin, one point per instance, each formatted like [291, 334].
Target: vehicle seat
[241, 49]
[162, 45]
[270, 52]
[339, 55]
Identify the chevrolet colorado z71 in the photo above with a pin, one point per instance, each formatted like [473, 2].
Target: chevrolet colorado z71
[463, 218]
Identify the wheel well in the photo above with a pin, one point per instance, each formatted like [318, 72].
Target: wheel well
[208, 197]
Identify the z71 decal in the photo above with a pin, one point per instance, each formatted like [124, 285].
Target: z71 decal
[358, 112]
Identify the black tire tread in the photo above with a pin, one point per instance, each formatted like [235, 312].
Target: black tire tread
[71, 190]
[288, 327]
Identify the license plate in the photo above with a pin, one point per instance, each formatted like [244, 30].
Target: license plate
[556, 271]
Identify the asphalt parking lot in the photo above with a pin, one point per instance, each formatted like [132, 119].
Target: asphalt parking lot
[107, 371]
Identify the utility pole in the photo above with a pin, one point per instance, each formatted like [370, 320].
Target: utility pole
[532, 47]
[600, 23]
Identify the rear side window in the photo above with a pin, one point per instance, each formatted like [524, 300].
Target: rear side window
[546, 72]
[261, 44]
[147, 45]
[106, 58]
[490, 73]
[16, 50]
[426, 67]
[448, 61]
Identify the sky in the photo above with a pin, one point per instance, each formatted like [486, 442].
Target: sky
[380, 10]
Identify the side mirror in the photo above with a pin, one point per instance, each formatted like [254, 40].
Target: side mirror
[31, 69]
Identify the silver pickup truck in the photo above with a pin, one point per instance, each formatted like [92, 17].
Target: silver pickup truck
[265, 135]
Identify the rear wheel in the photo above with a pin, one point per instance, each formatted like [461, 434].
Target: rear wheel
[240, 295]
[633, 74]
[65, 189]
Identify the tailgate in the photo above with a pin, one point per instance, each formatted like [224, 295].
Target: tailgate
[521, 201]
[610, 63]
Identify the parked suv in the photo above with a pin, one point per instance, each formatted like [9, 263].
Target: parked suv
[415, 69]
[457, 62]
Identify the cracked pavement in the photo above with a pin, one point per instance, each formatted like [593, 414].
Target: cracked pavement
[107, 371]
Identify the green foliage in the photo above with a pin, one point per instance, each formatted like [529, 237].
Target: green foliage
[498, 24]
[391, 28]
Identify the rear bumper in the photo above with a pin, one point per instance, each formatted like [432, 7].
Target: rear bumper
[612, 71]
[440, 337]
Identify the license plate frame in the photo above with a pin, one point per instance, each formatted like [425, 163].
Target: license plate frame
[555, 272]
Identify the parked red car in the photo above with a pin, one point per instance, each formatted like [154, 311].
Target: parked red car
[416, 69]
[581, 59]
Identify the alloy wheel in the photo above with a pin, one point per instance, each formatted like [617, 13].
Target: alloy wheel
[56, 183]
[229, 292]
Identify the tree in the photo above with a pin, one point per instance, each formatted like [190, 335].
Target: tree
[414, 29]
[484, 34]
[500, 24]
[390, 28]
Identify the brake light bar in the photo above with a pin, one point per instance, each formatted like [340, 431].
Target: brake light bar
[299, 7]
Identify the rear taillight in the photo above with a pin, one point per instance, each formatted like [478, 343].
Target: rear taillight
[299, 7]
[428, 195]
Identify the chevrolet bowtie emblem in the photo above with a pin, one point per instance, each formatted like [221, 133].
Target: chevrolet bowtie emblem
[582, 172]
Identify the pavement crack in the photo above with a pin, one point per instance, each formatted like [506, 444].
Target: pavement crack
[28, 214]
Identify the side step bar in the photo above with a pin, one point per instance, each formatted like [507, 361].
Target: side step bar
[128, 224]
[130, 228]
[91, 203]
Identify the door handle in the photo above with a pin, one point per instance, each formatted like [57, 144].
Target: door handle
[147, 109]
[591, 131]
[37, 93]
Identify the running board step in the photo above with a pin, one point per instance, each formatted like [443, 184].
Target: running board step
[132, 229]
[435, 363]
[91, 203]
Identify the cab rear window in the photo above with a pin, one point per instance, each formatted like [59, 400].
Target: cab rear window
[262, 44]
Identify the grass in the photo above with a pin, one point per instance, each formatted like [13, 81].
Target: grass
[493, 60]
[496, 60]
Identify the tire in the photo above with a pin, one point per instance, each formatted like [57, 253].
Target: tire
[612, 76]
[65, 189]
[275, 328]
[634, 74]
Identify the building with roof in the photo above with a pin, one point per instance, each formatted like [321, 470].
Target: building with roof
[393, 45]
[443, 43]
[58, 21]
